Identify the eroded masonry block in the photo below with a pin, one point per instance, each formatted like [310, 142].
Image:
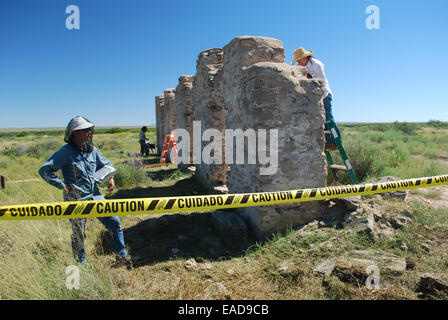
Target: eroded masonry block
[210, 114]
[160, 116]
[281, 114]
[185, 111]
[170, 110]
[169, 124]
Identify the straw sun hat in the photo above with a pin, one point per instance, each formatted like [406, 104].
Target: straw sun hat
[300, 54]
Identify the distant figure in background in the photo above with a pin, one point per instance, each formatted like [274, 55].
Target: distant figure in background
[78, 161]
[144, 150]
[145, 146]
[316, 69]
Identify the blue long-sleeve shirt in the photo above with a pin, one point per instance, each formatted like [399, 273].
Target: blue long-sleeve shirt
[77, 169]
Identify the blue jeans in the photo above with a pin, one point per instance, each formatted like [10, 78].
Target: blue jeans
[112, 224]
[327, 105]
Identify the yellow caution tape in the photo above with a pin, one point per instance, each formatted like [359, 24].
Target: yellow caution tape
[120, 207]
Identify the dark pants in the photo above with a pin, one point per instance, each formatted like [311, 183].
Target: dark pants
[327, 105]
[144, 148]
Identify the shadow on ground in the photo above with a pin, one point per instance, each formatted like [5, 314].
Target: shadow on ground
[196, 235]
[186, 236]
[183, 187]
[161, 238]
[191, 235]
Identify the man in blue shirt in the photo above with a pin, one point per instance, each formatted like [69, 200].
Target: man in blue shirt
[78, 160]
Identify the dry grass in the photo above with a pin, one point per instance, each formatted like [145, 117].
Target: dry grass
[34, 255]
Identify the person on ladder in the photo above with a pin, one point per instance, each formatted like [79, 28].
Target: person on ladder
[316, 69]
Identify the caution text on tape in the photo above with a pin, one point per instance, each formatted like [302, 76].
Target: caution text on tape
[119, 207]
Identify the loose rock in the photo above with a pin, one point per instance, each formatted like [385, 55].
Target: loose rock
[190, 264]
[432, 284]
[364, 224]
[353, 267]
[326, 267]
[350, 203]
[401, 194]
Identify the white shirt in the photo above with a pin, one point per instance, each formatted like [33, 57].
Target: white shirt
[317, 70]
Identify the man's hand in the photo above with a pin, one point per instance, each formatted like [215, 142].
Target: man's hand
[67, 188]
[111, 185]
[304, 72]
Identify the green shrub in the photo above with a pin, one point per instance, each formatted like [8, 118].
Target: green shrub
[22, 134]
[381, 127]
[15, 150]
[130, 175]
[405, 127]
[437, 124]
[433, 169]
[114, 130]
[113, 144]
[366, 160]
[33, 150]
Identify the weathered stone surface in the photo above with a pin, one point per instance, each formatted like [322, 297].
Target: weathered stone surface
[307, 230]
[190, 264]
[433, 284]
[215, 291]
[160, 121]
[350, 216]
[363, 224]
[350, 203]
[170, 111]
[385, 261]
[326, 267]
[184, 109]
[247, 86]
[169, 124]
[285, 268]
[354, 265]
[263, 92]
[399, 221]
[210, 113]
[229, 224]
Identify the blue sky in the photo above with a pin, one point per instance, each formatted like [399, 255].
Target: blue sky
[127, 52]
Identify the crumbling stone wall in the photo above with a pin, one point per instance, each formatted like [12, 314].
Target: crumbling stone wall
[169, 123]
[160, 118]
[248, 86]
[185, 110]
[263, 92]
[170, 110]
[210, 113]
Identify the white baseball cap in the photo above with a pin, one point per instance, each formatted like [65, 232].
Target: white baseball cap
[75, 124]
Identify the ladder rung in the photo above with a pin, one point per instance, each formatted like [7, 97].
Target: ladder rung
[338, 167]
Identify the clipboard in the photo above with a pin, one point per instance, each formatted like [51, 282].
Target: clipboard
[104, 174]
